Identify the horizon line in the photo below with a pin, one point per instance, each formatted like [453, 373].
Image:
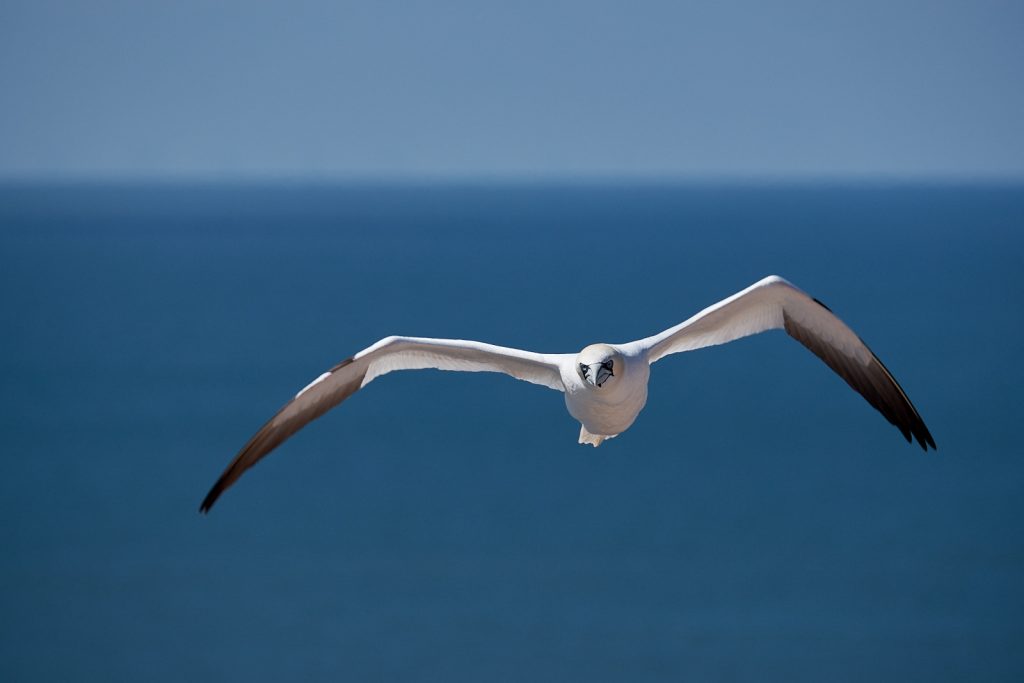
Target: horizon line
[504, 178]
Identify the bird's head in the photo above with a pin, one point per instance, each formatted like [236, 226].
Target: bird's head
[599, 364]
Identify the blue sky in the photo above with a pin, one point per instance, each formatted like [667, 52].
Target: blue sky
[547, 89]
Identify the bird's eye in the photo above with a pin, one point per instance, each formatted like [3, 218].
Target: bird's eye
[607, 365]
[584, 369]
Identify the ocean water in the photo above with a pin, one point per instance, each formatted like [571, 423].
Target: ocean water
[758, 522]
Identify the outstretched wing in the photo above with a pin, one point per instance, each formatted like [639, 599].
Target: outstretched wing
[773, 303]
[387, 355]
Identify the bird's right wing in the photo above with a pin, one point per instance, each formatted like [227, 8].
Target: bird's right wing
[387, 355]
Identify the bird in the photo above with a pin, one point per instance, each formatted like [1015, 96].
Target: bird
[605, 385]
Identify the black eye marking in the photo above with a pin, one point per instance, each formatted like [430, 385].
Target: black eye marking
[584, 370]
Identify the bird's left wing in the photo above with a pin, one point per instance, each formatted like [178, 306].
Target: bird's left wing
[773, 303]
[387, 355]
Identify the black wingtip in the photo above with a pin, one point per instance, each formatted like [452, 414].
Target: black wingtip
[924, 438]
[211, 498]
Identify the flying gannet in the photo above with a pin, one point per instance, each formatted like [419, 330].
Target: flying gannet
[605, 385]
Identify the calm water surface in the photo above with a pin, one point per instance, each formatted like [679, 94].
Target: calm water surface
[758, 522]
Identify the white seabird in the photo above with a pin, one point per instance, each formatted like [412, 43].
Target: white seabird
[605, 385]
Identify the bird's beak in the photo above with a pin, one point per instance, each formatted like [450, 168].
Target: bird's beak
[596, 374]
[587, 375]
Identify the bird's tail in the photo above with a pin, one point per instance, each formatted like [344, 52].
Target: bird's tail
[594, 440]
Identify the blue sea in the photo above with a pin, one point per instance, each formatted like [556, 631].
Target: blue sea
[759, 521]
